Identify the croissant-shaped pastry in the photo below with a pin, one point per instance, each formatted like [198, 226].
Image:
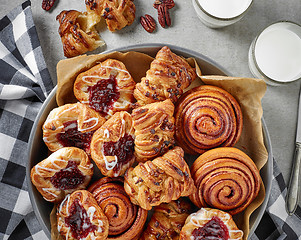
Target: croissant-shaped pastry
[107, 87]
[164, 179]
[210, 224]
[207, 117]
[154, 129]
[167, 220]
[126, 220]
[226, 178]
[167, 77]
[80, 217]
[71, 125]
[112, 145]
[77, 38]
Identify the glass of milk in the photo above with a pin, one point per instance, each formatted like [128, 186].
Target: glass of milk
[221, 13]
[275, 54]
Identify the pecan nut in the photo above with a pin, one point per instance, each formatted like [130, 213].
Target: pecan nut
[168, 3]
[163, 16]
[47, 4]
[148, 23]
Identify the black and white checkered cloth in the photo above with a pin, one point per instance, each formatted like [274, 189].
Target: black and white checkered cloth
[24, 85]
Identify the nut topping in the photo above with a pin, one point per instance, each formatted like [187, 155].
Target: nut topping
[148, 23]
[47, 4]
[163, 16]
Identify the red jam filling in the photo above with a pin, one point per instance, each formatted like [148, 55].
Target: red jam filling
[68, 178]
[215, 229]
[103, 94]
[79, 221]
[74, 138]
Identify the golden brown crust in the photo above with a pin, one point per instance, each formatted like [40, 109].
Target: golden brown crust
[202, 217]
[154, 129]
[114, 130]
[43, 173]
[164, 179]
[168, 76]
[226, 178]
[207, 117]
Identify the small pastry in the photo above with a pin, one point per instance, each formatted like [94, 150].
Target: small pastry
[226, 178]
[207, 117]
[210, 224]
[80, 217]
[71, 125]
[106, 88]
[64, 171]
[154, 129]
[162, 180]
[126, 220]
[168, 76]
[112, 145]
[167, 220]
[77, 38]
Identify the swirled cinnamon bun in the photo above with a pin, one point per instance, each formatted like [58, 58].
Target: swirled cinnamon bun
[162, 180]
[71, 125]
[210, 224]
[126, 220]
[226, 178]
[107, 87]
[207, 117]
[168, 76]
[80, 217]
[64, 171]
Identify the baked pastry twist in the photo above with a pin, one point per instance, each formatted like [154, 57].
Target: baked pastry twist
[207, 117]
[168, 76]
[167, 220]
[80, 217]
[77, 38]
[112, 145]
[210, 224]
[164, 179]
[154, 129]
[126, 220]
[107, 87]
[71, 125]
[226, 178]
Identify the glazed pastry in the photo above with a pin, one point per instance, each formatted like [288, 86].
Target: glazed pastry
[117, 13]
[210, 224]
[106, 88]
[226, 178]
[154, 129]
[77, 38]
[80, 217]
[126, 220]
[162, 180]
[167, 77]
[167, 220]
[71, 125]
[112, 145]
[207, 117]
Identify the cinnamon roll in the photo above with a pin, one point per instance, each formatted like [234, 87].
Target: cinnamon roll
[207, 117]
[226, 178]
[126, 220]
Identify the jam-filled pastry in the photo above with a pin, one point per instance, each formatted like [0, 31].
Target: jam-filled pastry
[117, 13]
[126, 220]
[71, 125]
[112, 145]
[207, 117]
[62, 172]
[162, 180]
[77, 38]
[168, 76]
[154, 129]
[212, 224]
[226, 178]
[80, 217]
[106, 88]
[167, 220]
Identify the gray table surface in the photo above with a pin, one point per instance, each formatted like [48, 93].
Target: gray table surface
[227, 46]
